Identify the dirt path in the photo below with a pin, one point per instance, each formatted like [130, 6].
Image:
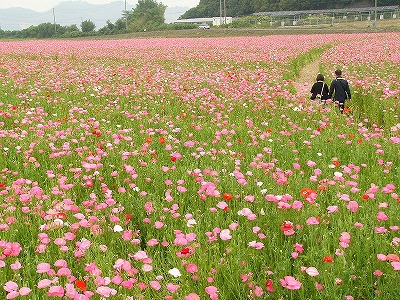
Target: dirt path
[306, 78]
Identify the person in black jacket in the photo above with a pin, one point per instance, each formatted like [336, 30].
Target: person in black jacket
[320, 89]
[340, 90]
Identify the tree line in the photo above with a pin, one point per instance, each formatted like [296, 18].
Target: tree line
[147, 15]
[235, 8]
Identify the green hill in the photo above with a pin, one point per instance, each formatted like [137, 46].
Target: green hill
[234, 8]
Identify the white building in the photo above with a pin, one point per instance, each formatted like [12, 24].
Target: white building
[215, 21]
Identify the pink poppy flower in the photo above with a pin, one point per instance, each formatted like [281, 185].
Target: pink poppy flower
[312, 221]
[172, 287]
[319, 287]
[332, 209]
[10, 286]
[381, 216]
[64, 272]
[258, 292]
[56, 291]
[395, 265]
[140, 255]
[16, 266]
[225, 235]
[192, 296]
[24, 291]
[352, 206]
[380, 230]
[105, 291]
[290, 283]
[192, 268]
[12, 295]
[312, 271]
[155, 285]
[43, 268]
[60, 263]
[381, 257]
[44, 283]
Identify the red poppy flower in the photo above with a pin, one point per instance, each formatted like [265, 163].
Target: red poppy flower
[96, 132]
[336, 163]
[173, 158]
[393, 257]
[227, 196]
[286, 226]
[269, 286]
[61, 215]
[365, 197]
[327, 258]
[2, 185]
[162, 140]
[185, 251]
[306, 192]
[81, 285]
[128, 217]
[149, 140]
[347, 110]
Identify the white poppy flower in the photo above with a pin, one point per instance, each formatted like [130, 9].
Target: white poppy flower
[175, 272]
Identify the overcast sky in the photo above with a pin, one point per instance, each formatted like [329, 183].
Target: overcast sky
[45, 5]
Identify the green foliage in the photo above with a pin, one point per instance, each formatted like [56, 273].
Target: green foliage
[294, 67]
[234, 8]
[147, 15]
[178, 26]
[371, 105]
[88, 26]
[43, 31]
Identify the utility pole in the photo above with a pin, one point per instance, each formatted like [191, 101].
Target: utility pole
[224, 12]
[376, 11]
[126, 17]
[220, 12]
[54, 20]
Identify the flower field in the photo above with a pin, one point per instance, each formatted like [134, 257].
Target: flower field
[193, 169]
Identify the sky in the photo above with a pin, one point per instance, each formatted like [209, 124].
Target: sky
[45, 5]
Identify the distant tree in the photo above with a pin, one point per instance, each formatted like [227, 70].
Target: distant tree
[148, 14]
[120, 25]
[108, 29]
[88, 26]
[71, 28]
[110, 26]
[205, 9]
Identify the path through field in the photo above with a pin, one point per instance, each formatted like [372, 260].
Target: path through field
[306, 79]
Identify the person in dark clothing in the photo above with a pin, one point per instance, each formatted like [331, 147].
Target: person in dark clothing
[339, 91]
[320, 89]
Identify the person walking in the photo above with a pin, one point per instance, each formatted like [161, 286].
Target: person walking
[320, 89]
[339, 91]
